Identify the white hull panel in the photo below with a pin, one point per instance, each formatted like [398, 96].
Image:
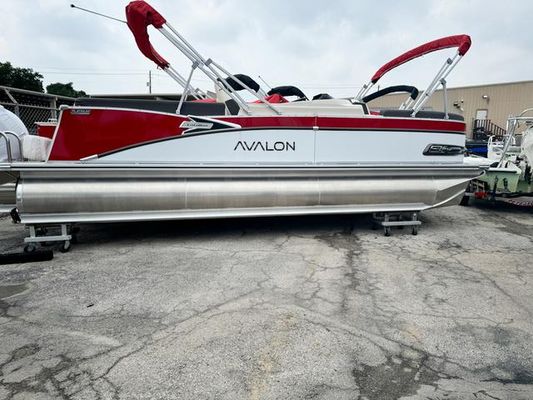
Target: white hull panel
[293, 146]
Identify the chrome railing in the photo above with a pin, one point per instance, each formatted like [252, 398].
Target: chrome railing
[5, 135]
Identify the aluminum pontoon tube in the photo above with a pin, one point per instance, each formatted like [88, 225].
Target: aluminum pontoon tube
[137, 194]
[7, 197]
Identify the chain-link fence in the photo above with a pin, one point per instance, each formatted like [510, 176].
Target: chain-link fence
[32, 107]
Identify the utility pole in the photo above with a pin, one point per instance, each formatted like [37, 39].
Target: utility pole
[149, 83]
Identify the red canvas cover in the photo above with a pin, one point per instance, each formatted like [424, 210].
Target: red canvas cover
[274, 98]
[463, 43]
[139, 15]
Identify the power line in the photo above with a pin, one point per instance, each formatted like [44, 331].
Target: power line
[98, 73]
[95, 73]
[101, 73]
[89, 69]
[138, 71]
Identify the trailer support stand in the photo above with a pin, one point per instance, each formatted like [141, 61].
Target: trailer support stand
[38, 234]
[388, 220]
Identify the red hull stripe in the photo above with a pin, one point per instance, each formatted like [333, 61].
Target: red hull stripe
[81, 135]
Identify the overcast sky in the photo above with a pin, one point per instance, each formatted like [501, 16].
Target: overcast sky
[321, 46]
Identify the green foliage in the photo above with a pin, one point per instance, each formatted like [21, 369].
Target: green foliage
[21, 78]
[27, 78]
[64, 89]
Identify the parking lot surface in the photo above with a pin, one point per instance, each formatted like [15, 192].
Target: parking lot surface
[277, 308]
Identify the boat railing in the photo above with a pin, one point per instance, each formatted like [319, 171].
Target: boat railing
[9, 153]
[513, 122]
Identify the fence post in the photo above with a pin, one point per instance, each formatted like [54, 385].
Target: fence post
[53, 106]
[15, 102]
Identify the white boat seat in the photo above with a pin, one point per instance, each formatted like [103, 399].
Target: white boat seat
[326, 107]
[35, 148]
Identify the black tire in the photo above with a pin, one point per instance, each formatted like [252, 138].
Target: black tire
[30, 248]
[465, 201]
[65, 247]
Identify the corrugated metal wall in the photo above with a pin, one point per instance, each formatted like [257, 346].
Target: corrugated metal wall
[501, 100]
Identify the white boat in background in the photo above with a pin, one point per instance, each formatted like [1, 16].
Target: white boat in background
[127, 160]
[509, 165]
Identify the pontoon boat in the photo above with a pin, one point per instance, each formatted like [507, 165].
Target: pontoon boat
[209, 158]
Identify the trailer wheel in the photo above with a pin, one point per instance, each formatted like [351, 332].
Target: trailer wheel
[29, 248]
[65, 247]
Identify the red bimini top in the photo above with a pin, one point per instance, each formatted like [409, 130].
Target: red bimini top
[463, 43]
[139, 16]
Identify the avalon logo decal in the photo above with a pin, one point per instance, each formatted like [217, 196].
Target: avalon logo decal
[197, 124]
[243, 145]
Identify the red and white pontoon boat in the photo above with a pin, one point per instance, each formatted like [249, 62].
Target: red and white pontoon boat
[112, 160]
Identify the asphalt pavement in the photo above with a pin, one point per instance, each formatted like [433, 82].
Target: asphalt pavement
[275, 308]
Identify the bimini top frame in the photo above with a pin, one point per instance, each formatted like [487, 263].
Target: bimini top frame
[140, 15]
[462, 42]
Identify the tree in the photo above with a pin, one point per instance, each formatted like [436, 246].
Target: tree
[21, 78]
[64, 89]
